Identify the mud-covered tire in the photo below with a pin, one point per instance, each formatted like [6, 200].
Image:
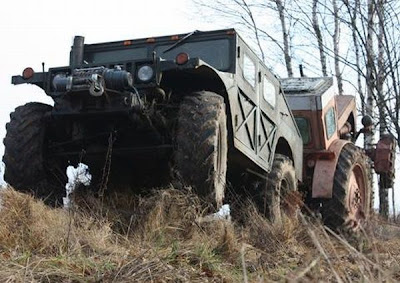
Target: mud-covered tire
[24, 150]
[202, 145]
[279, 193]
[350, 205]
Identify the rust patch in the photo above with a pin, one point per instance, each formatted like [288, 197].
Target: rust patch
[385, 155]
[324, 172]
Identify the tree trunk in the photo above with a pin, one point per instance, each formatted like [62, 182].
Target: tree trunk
[357, 54]
[383, 192]
[318, 34]
[370, 80]
[286, 47]
[336, 36]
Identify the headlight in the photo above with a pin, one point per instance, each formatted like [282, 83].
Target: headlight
[145, 73]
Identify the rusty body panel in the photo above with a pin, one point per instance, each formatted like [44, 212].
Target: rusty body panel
[384, 158]
[311, 98]
[324, 171]
[346, 107]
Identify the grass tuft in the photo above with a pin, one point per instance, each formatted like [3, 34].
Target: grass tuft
[166, 237]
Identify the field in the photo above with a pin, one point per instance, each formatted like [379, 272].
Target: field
[167, 237]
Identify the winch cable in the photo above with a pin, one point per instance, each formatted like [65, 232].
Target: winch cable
[107, 165]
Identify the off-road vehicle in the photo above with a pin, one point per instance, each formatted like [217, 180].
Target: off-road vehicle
[200, 107]
[337, 176]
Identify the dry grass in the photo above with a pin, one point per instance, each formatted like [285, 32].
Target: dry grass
[162, 238]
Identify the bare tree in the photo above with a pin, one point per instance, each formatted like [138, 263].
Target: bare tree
[336, 37]
[357, 53]
[285, 35]
[318, 34]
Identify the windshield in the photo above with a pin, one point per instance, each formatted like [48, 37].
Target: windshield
[102, 57]
[304, 127]
[214, 52]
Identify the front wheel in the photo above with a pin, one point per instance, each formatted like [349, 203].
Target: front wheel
[24, 158]
[350, 204]
[202, 145]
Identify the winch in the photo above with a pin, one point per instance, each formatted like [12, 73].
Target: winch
[95, 80]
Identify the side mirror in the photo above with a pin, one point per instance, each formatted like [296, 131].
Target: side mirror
[368, 123]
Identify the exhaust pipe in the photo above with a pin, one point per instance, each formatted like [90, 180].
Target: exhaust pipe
[77, 52]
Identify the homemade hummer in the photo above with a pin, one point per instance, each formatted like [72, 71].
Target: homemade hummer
[198, 108]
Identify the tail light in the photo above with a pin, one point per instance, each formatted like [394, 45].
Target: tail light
[182, 58]
[27, 73]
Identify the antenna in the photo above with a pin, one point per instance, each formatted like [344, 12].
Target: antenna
[301, 70]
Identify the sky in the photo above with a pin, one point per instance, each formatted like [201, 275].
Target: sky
[39, 31]
[33, 32]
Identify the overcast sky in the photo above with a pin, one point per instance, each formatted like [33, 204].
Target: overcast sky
[39, 31]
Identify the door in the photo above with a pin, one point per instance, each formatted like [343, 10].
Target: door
[255, 105]
[268, 92]
[246, 109]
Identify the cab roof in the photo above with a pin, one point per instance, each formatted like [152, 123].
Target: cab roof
[299, 92]
[306, 86]
[164, 38]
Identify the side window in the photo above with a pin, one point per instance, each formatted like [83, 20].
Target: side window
[269, 92]
[304, 127]
[330, 122]
[249, 70]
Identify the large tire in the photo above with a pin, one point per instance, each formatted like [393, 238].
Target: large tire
[279, 194]
[24, 150]
[202, 145]
[350, 205]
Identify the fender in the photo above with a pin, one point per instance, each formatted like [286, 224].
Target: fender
[324, 171]
[198, 74]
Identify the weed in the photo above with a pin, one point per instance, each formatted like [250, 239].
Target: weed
[161, 238]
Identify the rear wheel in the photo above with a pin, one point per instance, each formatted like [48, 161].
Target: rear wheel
[349, 207]
[24, 152]
[279, 195]
[201, 145]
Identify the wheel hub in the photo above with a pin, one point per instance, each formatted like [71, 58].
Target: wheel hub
[356, 198]
[356, 201]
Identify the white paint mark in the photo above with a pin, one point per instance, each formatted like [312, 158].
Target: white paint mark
[76, 176]
[223, 213]
[2, 182]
